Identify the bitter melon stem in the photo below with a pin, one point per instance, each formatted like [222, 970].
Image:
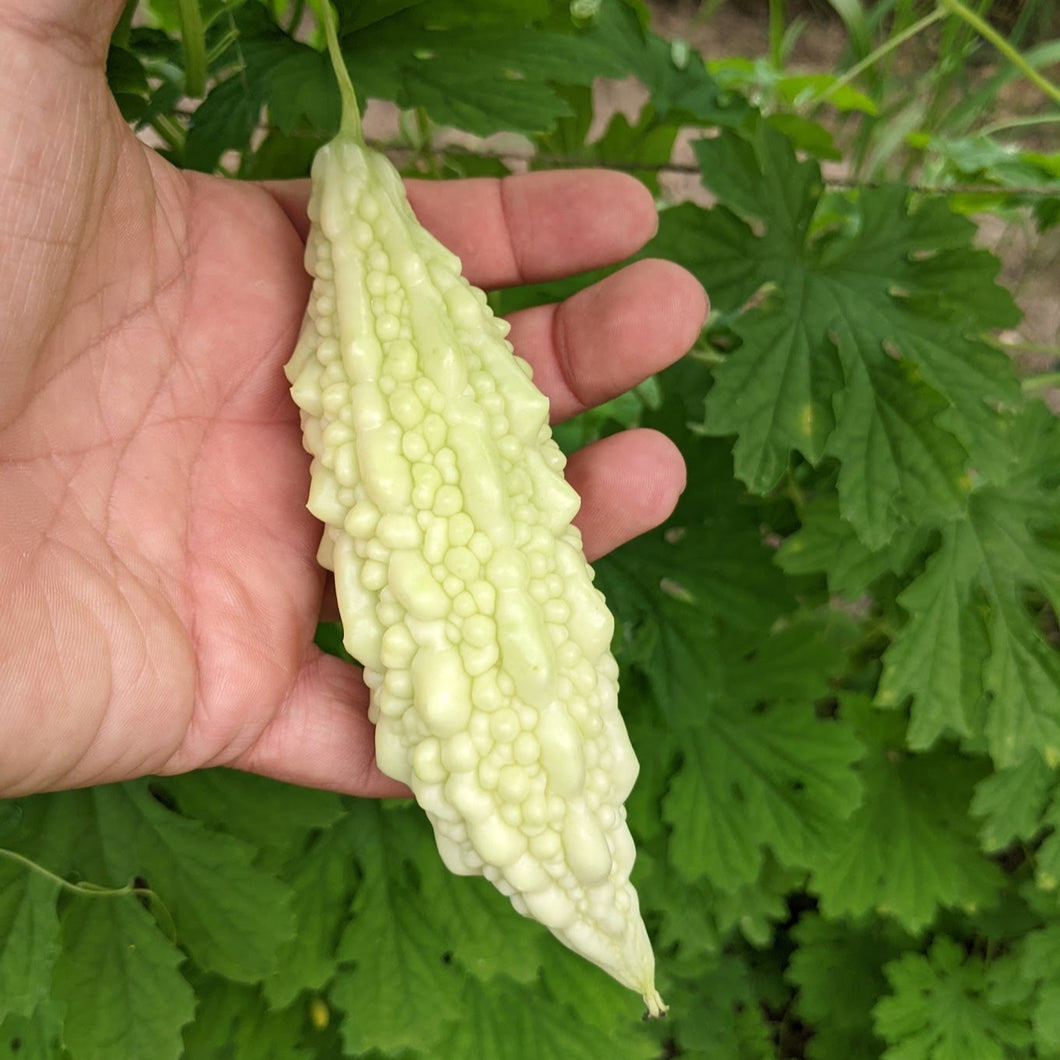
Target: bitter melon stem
[351, 112]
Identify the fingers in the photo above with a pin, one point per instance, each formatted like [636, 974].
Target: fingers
[537, 226]
[609, 337]
[322, 738]
[524, 228]
[629, 483]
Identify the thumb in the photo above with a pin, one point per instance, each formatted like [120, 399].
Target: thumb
[80, 28]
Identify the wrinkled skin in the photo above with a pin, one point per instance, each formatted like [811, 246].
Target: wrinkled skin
[157, 564]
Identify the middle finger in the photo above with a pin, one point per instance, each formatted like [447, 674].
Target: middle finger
[610, 336]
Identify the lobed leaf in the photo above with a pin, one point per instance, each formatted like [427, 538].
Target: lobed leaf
[717, 1013]
[37, 1035]
[909, 849]
[118, 978]
[29, 938]
[1011, 803]
[508, 1023]
[229, 915]
[939, 1009]
[837, 967]
[396, 980]
[859, 340]
[322, 878]
[970, 605]
[234, 1022]
[777, 779]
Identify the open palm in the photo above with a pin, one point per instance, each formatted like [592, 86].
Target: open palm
[157, 566]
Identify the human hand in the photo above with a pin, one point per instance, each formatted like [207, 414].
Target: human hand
[157, 564]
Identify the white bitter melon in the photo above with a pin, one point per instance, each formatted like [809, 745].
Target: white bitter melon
[462, 585]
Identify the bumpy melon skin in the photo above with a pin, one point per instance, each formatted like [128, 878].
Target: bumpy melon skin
[462, 585]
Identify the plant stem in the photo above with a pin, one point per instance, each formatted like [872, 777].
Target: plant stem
[987, 32]
[1018, 123]
[169, 131]
[1035, 384]
[193, 35]
[351, 112]
[776, 33]
[88, 889]
[120, 36]
[95, 890]
[877, 54]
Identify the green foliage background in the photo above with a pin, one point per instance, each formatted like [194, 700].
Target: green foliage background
[839, 657]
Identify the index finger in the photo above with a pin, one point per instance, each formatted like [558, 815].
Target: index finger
[524, 228]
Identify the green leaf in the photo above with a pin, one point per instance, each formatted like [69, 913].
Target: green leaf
[119, 980]
[779, 780]
[1039, 960]
[295, 81]
[857, 340]
[360, 13]
[456, 14]
[1011, 803]
[806, 135]
[1045, 1018]
[29, 937]
[649, 141]
[228, 914]
[761, 770]
[301, 87]
[322, 878]
[234, 1022]
[730, 163]
[936, 658]
[677, 79]
[471, 914]
[909, 849]
[223, 121]
[642, 148]
[508, 1022]
[708, 570]
[1047, 861]
[480, 80]
[569, 984]
[398, 980]
[1023, 674]
[36, 1036]
[688, 926]
[268, 814]
[797, 87]
[683, 583]
[971, 606]
[573, 986]
[127, 81]
[280, 157]
[838, 969]
[939, 1009]
[896, 461]
[697, 919]
[718, 1013]
[825, 542]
